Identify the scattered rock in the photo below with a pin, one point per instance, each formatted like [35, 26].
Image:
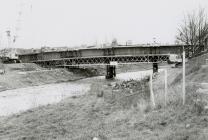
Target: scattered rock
[188, 126]
[95, 138]
[113, 84]
[163, 123]
[131, 84]
[100, 94]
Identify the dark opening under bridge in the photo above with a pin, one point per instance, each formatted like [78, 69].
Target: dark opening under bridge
[110, 56]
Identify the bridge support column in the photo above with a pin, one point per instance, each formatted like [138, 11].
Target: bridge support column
[110, 71]
[155, 67]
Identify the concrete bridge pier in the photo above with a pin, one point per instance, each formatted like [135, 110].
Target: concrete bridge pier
[110, 71]
[155, 67]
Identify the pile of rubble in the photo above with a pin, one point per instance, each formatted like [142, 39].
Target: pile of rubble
[131, 84]
[126, 94]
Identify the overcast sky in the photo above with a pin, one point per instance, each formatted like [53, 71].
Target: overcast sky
[74, 22]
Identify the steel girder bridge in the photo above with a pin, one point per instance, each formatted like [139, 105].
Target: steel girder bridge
[104, 60]
[109, 61]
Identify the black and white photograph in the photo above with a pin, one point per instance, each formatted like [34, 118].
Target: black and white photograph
[103, 69]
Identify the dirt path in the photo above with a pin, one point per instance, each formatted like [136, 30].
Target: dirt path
[22, 99]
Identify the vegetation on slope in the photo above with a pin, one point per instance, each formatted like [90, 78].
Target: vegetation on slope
[119, 110]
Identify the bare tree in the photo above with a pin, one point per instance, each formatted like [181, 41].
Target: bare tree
[194, 30]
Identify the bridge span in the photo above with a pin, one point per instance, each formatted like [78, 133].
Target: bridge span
[105, 60]
[110, 56]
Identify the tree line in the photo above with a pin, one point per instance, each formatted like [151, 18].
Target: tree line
[193, 32]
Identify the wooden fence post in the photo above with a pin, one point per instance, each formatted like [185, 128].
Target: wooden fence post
[151, 91]
[166, 86]
[184, 83]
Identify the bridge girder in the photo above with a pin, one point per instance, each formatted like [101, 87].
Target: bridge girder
[104, 60]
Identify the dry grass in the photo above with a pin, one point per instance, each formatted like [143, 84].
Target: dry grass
[111, 116]
[192, 68]
[121, 113]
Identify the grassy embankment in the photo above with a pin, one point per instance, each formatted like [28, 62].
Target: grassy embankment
[119, 111]
[27, 74]
[24, 74]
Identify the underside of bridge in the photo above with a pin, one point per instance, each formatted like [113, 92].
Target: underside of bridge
[111, 70]
[109, 61]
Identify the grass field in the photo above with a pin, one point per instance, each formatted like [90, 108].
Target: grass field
[120, 111]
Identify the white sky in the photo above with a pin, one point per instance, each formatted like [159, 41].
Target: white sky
[74, 22]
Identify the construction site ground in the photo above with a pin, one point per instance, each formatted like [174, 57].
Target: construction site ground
[122, 110]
